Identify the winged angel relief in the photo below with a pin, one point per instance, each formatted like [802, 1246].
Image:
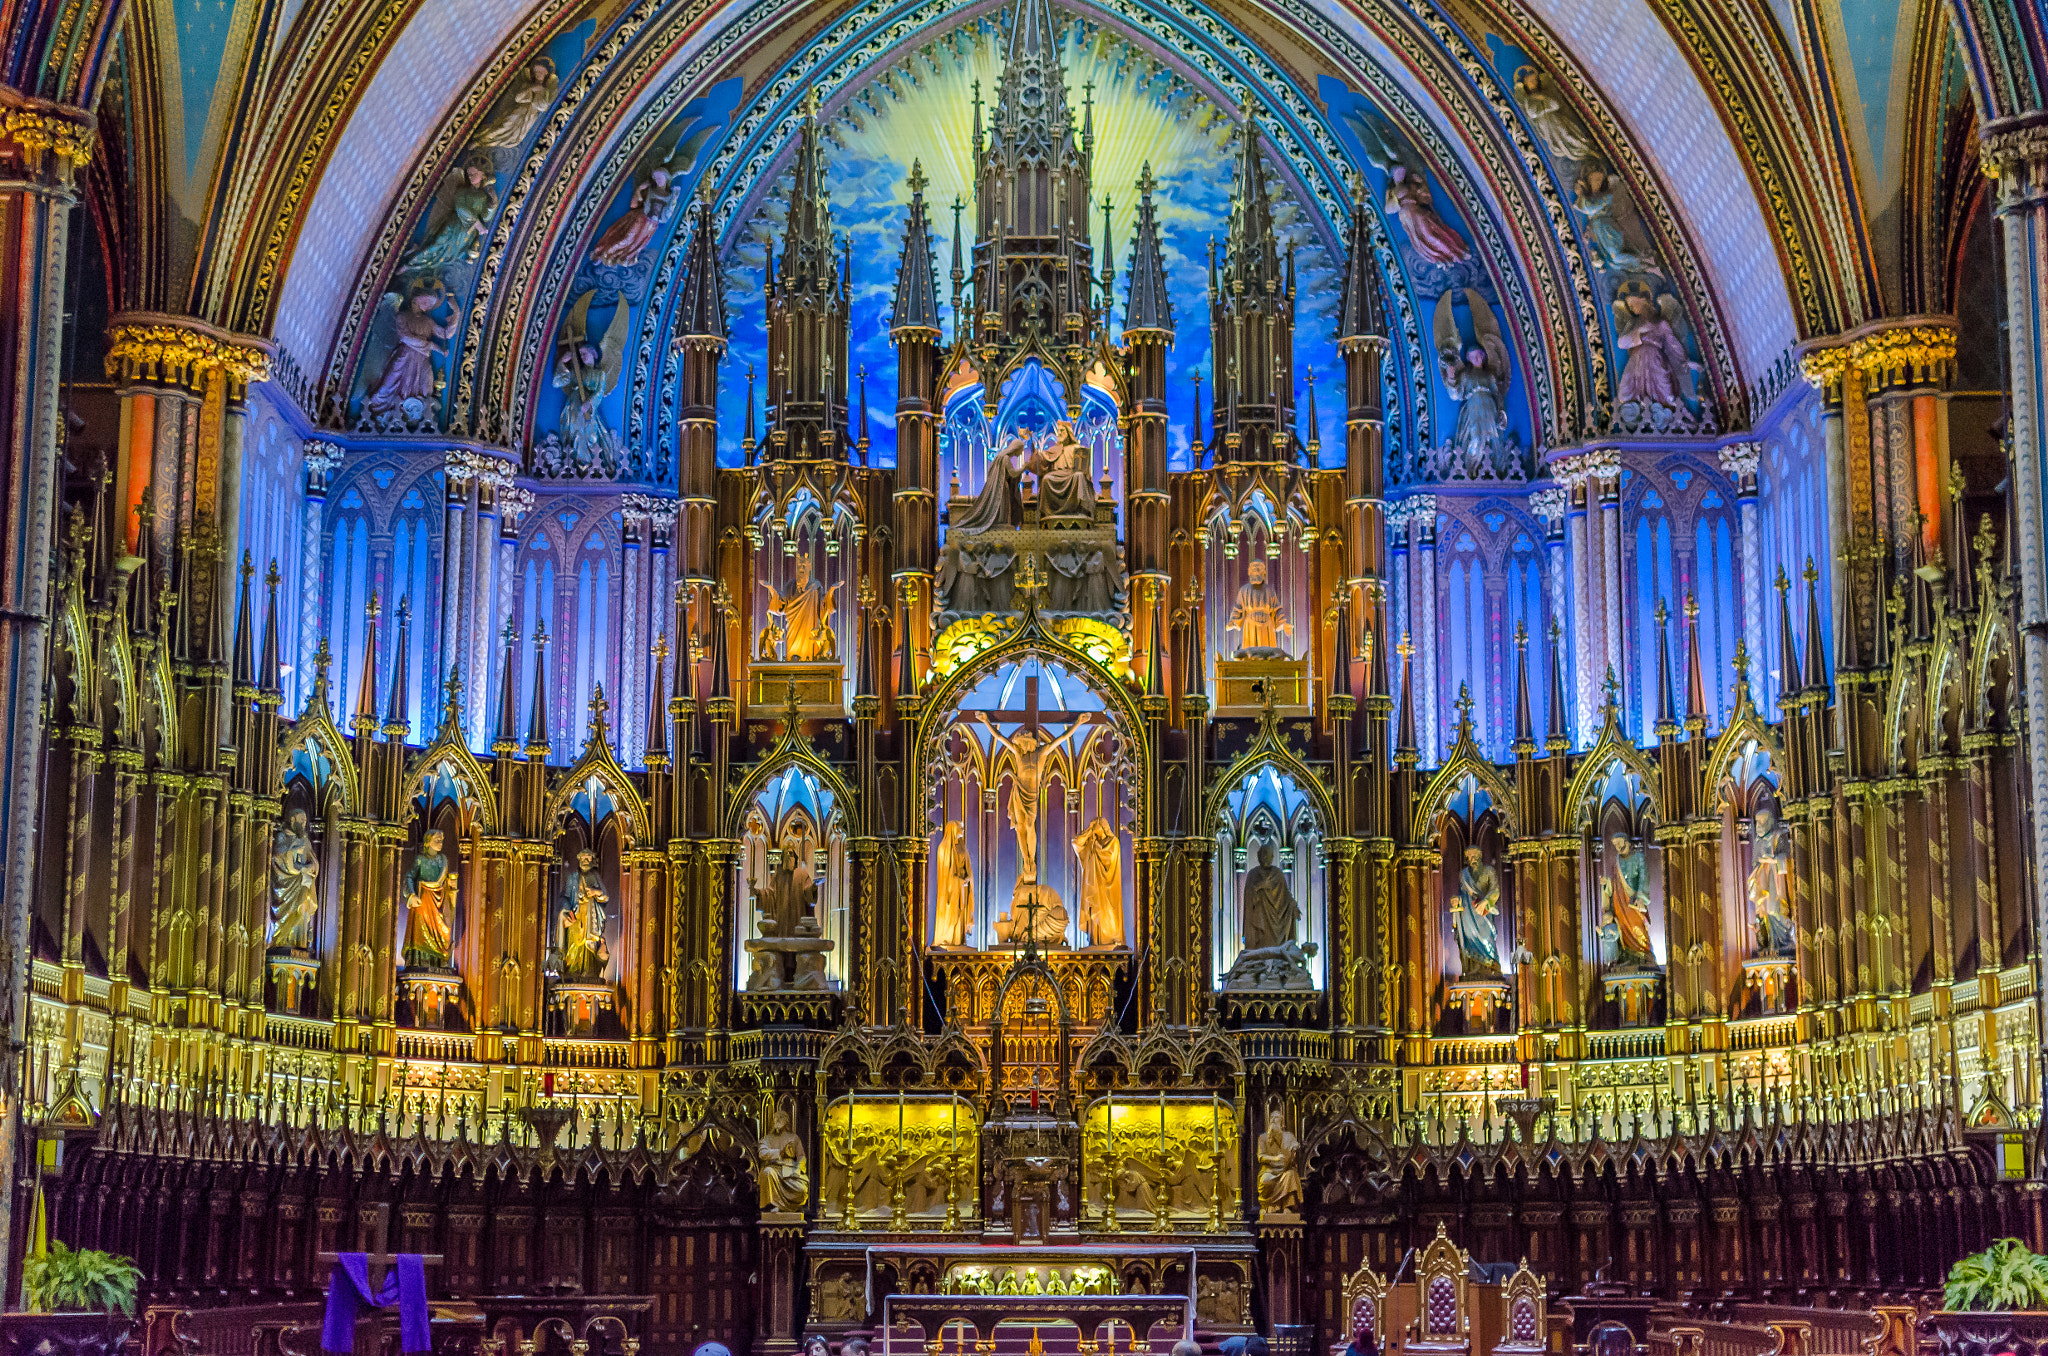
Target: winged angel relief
[1475, 374]
[586, 371]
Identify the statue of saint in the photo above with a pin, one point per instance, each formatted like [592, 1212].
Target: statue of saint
[805, 613]
[792, 885]
[1066, 493]
[1102, 884]
[1475, 915]
[1769, 874]
[1001, 501]
[954, 915]
[583, 899]
[429, 900]
[1270, 913]
[294, 886]
[1258, 617]
[1279, 1168]
[784, 1174]
[1028, 750]
[1625, 907]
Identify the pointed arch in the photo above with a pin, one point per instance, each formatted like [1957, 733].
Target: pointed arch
[1613, 746]
[449, 754]
[599, 764]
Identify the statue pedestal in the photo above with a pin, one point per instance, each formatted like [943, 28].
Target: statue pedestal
[431, 993]
[1634, 994]
[580, 1001]
[788, 964]
[1285, 679]
[293, 972]
[1770, 978]
[1481, 1000]
[820, 686]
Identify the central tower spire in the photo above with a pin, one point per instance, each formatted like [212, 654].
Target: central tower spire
[1034, 276]
[807, 316]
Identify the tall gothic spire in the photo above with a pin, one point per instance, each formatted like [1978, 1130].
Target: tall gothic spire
[505, 740]
[1251, 253]
[1033, 124]
[917, 282]
[1148, 307]
[1251, 321]
[1360, 313]
[807, 240]
[537, 718]
[702, 312]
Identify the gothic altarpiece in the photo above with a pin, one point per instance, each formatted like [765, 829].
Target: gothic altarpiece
[1034, 844]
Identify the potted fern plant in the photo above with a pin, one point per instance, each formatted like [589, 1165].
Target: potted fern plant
[81, 1299]
[1995, 1301]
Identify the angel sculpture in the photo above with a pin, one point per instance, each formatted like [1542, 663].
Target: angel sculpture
[1476, 376]
[460, 218]
[1562, 132]
[406, 387]
[586, 373]
[524, 107]
[1598, 198]
[654, 202]
[1408, 196]
[1659, 371]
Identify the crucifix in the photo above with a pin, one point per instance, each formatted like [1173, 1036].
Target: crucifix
[379, 1263]
[1028, 749]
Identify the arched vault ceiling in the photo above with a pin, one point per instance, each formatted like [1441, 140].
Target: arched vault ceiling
[1425, 68]
[1623, 48]
[426, 91]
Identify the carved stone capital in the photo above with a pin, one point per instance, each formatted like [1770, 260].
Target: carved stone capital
[180, 351]
[1552, 504]
[1596, 463]
[51, 130]
[514, 502]
[2011, 146]
[323, 458]
[1741, 459]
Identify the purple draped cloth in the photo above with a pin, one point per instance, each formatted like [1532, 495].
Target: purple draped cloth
[349, 1288]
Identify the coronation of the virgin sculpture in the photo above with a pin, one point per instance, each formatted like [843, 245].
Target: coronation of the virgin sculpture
[1149, 674]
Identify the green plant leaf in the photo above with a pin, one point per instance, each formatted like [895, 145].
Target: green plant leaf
[63, 1281]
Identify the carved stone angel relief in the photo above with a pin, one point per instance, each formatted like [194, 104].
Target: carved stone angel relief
[586, 371]
[1475, 374]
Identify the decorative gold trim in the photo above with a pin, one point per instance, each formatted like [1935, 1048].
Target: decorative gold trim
[180, 351]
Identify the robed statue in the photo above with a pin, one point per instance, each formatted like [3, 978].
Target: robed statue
[429, 904]
[1279, 1154]
[1625, 907]
[294, 886]
[805, 613]
[1270, 913]
[1769, 872]
[953, 916]
[1102, 883]
[1001, 501]
[1475, 917]
[1258, 617]
[584, 955]
[784, 1174]
[1066, 493]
